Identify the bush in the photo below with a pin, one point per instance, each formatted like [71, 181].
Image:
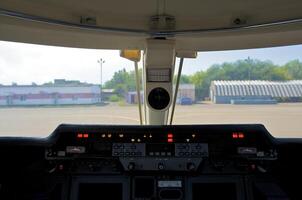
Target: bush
[114, 98]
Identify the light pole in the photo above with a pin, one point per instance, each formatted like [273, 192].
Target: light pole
[101, 61]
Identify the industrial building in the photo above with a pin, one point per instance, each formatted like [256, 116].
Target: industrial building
[60, 92]
[186, 91]
[255, 91]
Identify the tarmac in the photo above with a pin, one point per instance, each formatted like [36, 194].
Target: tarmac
[282, 120]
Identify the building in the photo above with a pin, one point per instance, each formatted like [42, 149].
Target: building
[49, 94]
[107, 93]
[249, 92]
[184, 90]
[131, 97]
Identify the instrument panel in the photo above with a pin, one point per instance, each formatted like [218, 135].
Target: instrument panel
[183, 162]
[161, 148]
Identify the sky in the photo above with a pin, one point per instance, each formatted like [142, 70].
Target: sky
[26, 63]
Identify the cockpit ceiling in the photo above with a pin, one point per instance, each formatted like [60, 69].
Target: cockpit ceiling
[199, 25]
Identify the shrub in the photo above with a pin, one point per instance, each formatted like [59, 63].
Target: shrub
[114, 98]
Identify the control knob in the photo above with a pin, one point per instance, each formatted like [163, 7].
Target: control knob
[131, 166]
[161, 166]
[191, 166]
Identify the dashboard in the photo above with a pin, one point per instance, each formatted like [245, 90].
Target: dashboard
[193, 162]
[174, 148]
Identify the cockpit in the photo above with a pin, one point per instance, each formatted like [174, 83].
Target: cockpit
[159, 128]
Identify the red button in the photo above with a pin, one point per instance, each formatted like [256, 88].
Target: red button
[235, 135]
[170, 139]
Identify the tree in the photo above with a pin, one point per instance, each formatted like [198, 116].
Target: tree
[123, 81]
[184, 79]
[294, 69]
[246, 69]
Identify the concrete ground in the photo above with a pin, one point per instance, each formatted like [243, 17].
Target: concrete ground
[282, 120]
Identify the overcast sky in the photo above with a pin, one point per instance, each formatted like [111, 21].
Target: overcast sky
[27, 63]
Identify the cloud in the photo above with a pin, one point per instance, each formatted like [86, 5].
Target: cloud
[27, 63]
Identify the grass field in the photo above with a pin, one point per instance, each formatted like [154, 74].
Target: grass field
[282, 120]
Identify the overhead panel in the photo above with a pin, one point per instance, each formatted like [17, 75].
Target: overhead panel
[194, 25]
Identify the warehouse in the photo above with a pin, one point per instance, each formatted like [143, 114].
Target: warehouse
[59, 93]
[255, 91]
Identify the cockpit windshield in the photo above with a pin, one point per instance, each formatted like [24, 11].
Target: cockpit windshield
[44, 86]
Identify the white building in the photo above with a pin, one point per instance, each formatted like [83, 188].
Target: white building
[186, 90]
[16, 95]
[226, 91]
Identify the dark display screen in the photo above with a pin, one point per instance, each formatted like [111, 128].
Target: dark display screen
[100, 191]
[159, 149]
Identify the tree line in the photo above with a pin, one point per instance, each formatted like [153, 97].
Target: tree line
[247, 69]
